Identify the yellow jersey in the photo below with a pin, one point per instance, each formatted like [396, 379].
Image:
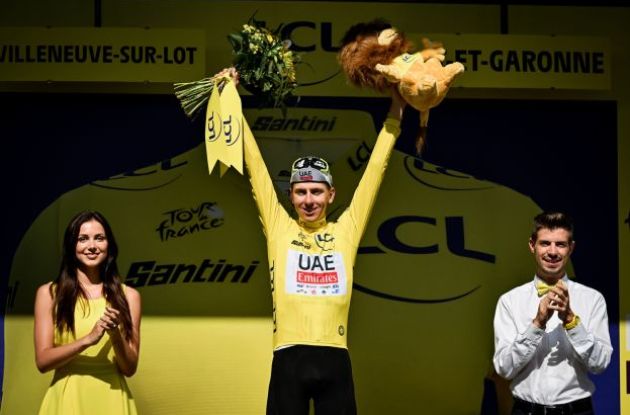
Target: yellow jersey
[311, 264]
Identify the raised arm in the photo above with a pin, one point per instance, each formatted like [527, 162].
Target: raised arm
[397, 107]
[47, 355]
[365, 194]
[263, 189]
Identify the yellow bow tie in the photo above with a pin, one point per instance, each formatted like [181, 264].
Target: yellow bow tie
[543, 288]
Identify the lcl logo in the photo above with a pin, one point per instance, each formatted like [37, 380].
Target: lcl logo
[455, 241]
[119, 182]
[229, 129]
[325, 36]
[455, 244]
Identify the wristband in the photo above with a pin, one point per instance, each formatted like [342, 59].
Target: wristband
[571, 324]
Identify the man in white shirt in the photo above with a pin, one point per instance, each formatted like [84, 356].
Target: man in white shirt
[550, 332]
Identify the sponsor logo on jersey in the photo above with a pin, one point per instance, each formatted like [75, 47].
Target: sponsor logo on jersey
[301, 243]
[315, 275]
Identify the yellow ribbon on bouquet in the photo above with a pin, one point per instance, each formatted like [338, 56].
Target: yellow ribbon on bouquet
[225, 129]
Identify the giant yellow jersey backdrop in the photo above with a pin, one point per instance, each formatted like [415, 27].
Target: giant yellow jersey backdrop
[439, 249]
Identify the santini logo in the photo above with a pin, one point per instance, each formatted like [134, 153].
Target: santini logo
[304, 123]
[145, 273]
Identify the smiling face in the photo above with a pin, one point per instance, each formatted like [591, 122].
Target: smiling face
[552, 249]
[91, 247]
[310, 200]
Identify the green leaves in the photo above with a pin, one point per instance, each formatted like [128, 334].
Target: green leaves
[236, 40]
[265, 65]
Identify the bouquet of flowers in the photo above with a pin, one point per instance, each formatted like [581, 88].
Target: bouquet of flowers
[265, 65]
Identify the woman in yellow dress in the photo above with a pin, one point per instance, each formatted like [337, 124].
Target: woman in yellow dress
[87, 325]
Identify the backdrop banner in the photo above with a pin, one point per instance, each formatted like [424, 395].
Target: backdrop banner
[442, 244]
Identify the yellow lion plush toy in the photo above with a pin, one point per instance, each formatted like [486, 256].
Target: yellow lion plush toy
[376, 55]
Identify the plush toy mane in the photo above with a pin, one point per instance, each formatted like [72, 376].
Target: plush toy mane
[360, 52]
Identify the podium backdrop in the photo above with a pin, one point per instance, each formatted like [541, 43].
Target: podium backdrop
[447, 237]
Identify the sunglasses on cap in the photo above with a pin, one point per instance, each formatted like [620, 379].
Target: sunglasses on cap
[310, 169]
[311, 161]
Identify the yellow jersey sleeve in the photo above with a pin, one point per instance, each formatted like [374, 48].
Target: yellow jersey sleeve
[354, 220]
[269, 207]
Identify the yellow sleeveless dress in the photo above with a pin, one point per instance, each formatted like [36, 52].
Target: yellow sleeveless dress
[90, 384]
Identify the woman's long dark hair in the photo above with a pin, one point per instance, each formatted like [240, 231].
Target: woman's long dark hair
[66, 288]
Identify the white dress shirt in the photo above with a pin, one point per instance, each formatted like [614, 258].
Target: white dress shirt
[550, 366]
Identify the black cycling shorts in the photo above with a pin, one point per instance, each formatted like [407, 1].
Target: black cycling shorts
[301, 373]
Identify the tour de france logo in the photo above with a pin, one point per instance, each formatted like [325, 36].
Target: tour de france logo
[181, 222]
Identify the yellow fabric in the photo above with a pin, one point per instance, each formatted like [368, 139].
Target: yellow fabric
[422, 80]
[573, 323]
[224, 129]
[90, 383]
[311, 266]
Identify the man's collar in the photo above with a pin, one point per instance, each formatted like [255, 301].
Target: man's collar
[537, 279]
[313, 225]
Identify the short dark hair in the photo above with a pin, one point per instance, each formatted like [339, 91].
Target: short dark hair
[552, 220]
